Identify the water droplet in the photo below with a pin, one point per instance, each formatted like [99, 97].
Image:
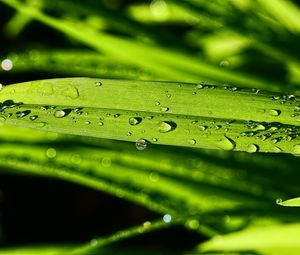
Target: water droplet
[94, 242]
[141, 144]
[274, 112]
[167, 218]
[154, 177]
[192, 141]
[147, 225]
[202, 128]
[59, 113]
[164, 109]
[157, 103]
[154, 139]
[168, 95]
[87, 122]
[296, 150]
[51, 153]
[297, 109]
[279, 201]
[135, 121]
[259, 127]
[100, 123]
[71, 92]
[149, 117]
[40, 124]
[199, 86]
[7, 65]
[33, 117]
[193, 224]
[75, 159]
[273, 129]
[22, 114]
[98, 84]
[117, 115]
[166, 126]
[251, 148]
[226, 143]
[274, 140]
[129, 134]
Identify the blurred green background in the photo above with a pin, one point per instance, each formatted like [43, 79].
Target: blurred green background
[242, 43]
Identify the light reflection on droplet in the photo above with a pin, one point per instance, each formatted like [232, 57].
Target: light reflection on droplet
[7, 65]
[167, 218]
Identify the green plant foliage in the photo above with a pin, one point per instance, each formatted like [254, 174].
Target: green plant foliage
[188, 97]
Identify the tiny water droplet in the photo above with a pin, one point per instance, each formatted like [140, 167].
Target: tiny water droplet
[199, 86]
[71, 92]
[154, 139]
[193, 224]
[149, 117]
[87, 122]
[274, 112]
[202, 128]
[117, 115]
[40, 124]
[129, 134]
[192, 141]
[157, 103]
[226, 143]
[33, 117]
[100, 123]
[166, 126]
[296, 150]
[164, 109]
[135, 121]
[59, 114]
[141, 144]
[51, 153]
[167, 218]
[251, 148]
[98, 84]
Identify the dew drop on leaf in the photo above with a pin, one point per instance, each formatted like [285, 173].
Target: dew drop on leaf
[100, 123]
[141, 144]
[87, 122]
[226, 143]
[192, 141]
[251, 148]
[33, 117]
[129, 134]
[274, 112]
[166, 126]
[98, 84]
[202, 128]
[135, 120]
[22, 114]
[59, 114]
[51, 153]
[164, 109]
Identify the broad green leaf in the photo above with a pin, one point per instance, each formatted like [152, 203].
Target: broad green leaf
[157, 112]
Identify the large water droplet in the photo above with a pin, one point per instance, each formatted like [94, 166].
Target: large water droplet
[251, 148]
[141, 144]
[135, 120]
[274, 112]
[166, 126]
[226, 143]
[296, 150]
[59, 114]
